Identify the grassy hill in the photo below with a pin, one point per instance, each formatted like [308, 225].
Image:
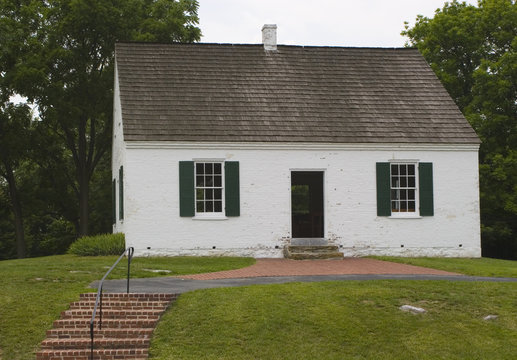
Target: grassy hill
[327, 320]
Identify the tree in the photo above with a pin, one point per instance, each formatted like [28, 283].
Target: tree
[14, 119]
[14, 145]
[68, 71]
[473, 50]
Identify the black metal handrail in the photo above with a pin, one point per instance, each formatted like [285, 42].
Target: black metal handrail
[98, 299]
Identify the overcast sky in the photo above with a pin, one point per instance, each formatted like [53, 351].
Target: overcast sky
[375, 23]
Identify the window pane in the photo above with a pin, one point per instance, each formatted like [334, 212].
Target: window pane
[411, 181]
[300, 199]
[209, 168]
[411, 194]
[217, 168]
[403, 206]
[411, 206]
[394, 169]
[209, 181]
[217, 180]
[394, 182]
[394, 195]
[200, 168]
[200, 194]
[403, 194]
[411, 169]
[209, 194]
[403, 170]
[209, 206]
[218, 206]
[218, 194]
[403, 182]
[200, 181]
[395, 206]
[199, 206]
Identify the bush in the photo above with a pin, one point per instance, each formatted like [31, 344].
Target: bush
[56, 236]
[104, 244]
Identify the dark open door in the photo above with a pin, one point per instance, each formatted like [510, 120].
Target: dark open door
[307, 204]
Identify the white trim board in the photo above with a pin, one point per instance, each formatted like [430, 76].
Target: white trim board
[300, 146]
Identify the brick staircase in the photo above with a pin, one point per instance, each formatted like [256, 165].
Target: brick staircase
[128, 321]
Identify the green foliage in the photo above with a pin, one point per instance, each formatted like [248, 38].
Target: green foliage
[54, 235]
[473, 50]
[60, 55]
[341, 320]
[39, 289]
[7, 236]
[15, 136]
[99, 245]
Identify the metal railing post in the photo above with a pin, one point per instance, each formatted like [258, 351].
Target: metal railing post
[129, 257]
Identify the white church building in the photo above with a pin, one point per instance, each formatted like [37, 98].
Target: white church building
[223, 149]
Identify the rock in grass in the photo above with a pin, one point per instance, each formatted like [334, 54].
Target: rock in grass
[413, 309]
[490, 317]
[157, 270]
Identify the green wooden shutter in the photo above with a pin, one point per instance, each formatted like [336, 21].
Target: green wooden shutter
[121, 193]
[425, 174]
[187, 201]
[231, 188]
[114, 201]
[383, 189]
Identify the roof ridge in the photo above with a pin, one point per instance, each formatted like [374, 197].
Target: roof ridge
[261, 45]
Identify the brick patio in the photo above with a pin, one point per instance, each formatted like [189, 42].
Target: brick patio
[285, 267]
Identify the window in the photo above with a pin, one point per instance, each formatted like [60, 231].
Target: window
[209, 187]
[121, 193]
[403, 188]
[114, 201]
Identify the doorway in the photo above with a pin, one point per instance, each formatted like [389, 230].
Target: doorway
[307, 204]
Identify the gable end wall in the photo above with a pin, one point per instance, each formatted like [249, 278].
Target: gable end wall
[118, 156]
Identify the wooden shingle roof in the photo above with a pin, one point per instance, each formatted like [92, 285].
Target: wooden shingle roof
[241, 93]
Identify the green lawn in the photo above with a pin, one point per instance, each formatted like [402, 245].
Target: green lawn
[476, 267]
[35, 291]
[342, 320]
[356, 320]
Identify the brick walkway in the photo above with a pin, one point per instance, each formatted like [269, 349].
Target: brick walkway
[347, 266]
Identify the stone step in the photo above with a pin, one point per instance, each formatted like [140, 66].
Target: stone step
[69, 333]
[84, 354]
[98, 343]
[302, 252]
[313, 248]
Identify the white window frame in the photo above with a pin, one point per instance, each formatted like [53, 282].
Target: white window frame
[219, 215]
[406, 214]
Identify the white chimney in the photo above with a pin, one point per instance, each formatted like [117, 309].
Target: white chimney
[269, 36]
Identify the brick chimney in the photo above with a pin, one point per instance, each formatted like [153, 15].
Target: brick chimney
[269, 37]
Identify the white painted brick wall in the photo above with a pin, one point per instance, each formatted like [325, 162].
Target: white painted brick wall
[152, 202]
[118, 155]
